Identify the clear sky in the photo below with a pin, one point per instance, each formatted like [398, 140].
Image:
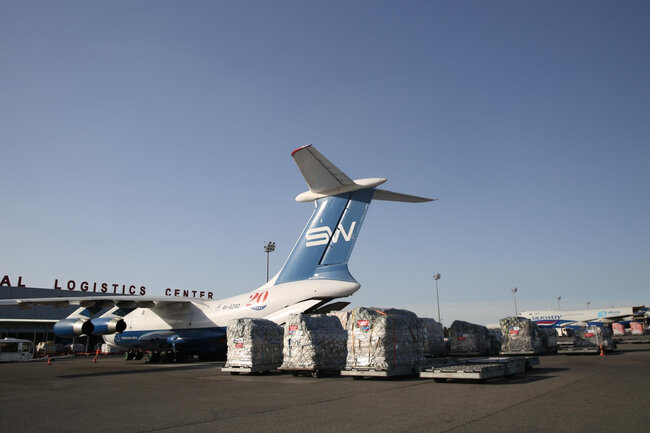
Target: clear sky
[149, 143]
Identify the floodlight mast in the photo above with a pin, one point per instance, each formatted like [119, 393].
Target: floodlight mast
[514, 296]
[269, 247]
[436, 277]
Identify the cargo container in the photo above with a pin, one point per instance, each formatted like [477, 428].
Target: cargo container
[314, 344]
[469, 339]
[254, 345]
[384, 342]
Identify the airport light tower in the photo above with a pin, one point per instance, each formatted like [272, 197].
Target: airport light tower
[436, 277]
[269, 247]
[558, 302]
[514, 296]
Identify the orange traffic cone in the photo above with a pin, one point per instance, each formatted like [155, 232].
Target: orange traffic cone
[601, 351]
[49, 361]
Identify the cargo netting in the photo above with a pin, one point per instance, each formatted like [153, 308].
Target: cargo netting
[253, 342]
[314, 342]
[434, 340]
[593, 336]
[468, 339]
[520, 335]
[384, 339]
[549, 339]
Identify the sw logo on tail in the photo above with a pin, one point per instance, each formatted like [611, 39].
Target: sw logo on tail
[322, 235]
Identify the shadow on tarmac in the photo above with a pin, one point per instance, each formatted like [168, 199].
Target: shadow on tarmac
[535, 375]
[629, 349]
[151, 370]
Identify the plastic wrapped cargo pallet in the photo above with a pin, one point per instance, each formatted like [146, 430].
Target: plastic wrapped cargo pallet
[520, 335]
[434, 340]
[469, 339]
[549, 339]
[636, 328]
[253, 343]
[618, 329]
[314, 342]
[343, 317]
[496, 339]
[384, 339]
[594, 336]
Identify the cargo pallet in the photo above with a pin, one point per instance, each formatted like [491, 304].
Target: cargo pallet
[568, 350]
[518, 353]
[563, 350]
[529, 361]
[480, 369]
[361, 372]
[248, 370]
[526, 353]
[314, 372]
[634, 339]
[468, 354]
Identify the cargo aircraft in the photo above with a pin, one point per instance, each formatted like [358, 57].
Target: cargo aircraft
[582, 318]
[315, 273]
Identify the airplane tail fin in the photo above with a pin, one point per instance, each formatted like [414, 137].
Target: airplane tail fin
[325, 245]
[325, 179]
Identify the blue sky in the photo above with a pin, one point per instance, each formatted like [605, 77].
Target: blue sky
[149, 143]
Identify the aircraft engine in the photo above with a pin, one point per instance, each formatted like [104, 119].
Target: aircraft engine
[108, 325]
[73, 327]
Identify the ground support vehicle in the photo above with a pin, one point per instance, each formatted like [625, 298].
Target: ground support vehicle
[16, 350]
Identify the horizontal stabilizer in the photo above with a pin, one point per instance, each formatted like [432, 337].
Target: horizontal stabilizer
[382, 194]
[325, 179]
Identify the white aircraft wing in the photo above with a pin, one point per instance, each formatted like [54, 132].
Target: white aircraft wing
[100, 301]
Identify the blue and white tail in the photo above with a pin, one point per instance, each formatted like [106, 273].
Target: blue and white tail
[325, 245]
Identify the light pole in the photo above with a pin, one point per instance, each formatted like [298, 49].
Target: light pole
[588, 304]
[558, 302]
[269, 247]
[514, 296]
[436, 277]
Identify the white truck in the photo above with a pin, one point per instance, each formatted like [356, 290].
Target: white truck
[15, 350]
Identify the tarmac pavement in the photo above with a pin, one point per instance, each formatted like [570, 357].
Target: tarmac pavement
[579, 393]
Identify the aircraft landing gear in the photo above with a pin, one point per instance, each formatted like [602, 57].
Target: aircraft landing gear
[133, 354]
[153, 357]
